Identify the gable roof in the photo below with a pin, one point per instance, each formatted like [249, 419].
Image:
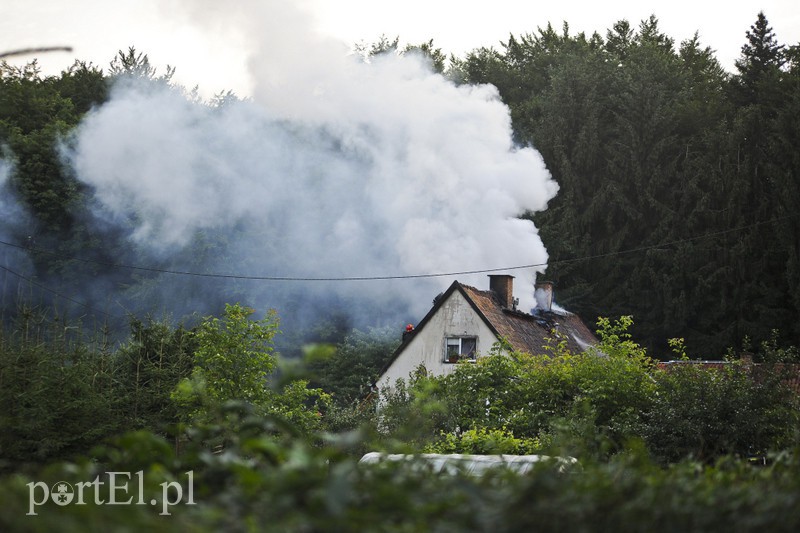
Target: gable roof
[524, 332]
[530, 332]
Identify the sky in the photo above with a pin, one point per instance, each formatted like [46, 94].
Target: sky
[215, 57]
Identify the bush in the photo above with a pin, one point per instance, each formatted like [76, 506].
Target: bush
[484, 441]
[704, 412]
[269, 479]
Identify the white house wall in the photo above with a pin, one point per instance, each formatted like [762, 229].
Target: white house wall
[454, 318]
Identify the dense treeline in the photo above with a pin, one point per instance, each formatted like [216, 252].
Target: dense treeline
[679, 181]
[46, 220]
[63, 390]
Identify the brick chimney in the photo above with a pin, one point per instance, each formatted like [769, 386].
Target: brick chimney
[502, 285]
[543, 293]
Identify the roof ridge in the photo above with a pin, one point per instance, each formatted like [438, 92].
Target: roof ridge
[490, 294]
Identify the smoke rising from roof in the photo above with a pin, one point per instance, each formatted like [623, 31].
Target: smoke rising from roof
[335, 168]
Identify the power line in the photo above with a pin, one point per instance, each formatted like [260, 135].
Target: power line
[56, 293]
[258, 278]
[244, 277]
[353, 278]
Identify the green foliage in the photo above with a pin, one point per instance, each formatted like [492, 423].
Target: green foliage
[706, 412]
[61, 392]
[761, 58]
[349, 372]
[599, 403]
[653, 147]
[533, 393]
[384, 45]
[616, 340]
[152, 362]
[484, 441]
[532, 397]
[234, 361]
[678, 347]
[772, 353]
[269, 479]
[268, 466]
[133, 64]
[431, 53]
[57, 397]
[413, 414]
[234, 355]
[35, 115]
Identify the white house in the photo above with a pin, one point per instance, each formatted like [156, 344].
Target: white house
[466, 322]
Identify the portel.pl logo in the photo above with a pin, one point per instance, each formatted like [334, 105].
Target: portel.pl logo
[116, 492]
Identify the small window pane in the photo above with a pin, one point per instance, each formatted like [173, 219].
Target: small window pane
[452, 348]
[468, 347]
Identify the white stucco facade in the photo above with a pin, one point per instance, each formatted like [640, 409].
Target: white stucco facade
[454, 318]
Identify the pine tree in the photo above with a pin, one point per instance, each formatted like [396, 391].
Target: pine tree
[762, 57]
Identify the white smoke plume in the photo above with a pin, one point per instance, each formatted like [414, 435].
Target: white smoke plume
[335, 168]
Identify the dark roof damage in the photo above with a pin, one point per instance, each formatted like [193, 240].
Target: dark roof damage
[530, 332]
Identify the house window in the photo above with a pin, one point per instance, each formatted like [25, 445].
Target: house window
[460, 348]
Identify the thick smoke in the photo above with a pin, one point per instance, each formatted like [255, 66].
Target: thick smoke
[335, 168]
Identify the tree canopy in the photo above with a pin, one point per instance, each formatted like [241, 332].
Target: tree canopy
[678, 181]
[676, 177]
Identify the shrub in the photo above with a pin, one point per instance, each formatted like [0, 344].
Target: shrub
[704, 412]
[484, 441]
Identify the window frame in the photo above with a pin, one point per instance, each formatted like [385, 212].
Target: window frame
[458, 340]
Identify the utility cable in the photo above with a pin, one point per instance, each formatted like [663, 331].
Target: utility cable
[56, 293]
[399, 276]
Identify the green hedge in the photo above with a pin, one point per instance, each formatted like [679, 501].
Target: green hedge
[264, 481]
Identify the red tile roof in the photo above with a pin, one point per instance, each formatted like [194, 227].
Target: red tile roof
[530, 332]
